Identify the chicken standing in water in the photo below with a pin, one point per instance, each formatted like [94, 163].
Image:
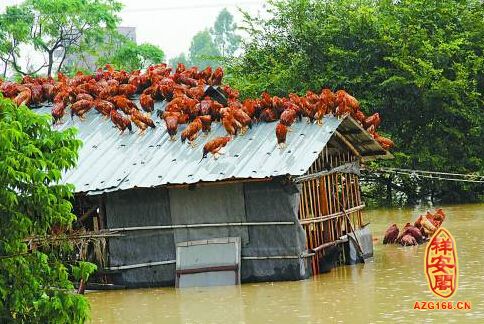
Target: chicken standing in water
[391, 234]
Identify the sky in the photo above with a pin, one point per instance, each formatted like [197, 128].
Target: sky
[171, 24]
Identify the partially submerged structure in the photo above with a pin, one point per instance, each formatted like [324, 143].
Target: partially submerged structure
[282, 212]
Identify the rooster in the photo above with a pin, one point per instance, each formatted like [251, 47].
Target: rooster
[191, 131]
[142, 121]
[81, 107]
[146, 102]
[120, 122]
[281, 132]
[214, 146]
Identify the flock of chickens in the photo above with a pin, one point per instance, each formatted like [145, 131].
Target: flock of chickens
[423, 228]
[110, 93]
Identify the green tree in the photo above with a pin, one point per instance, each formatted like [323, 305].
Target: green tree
[34, 284]
[203, 51]
[130, 56]
[15, 26]
[419, 63]
[223, 33]
[60, 27]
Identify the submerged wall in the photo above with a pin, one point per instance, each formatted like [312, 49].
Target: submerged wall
[269, 252]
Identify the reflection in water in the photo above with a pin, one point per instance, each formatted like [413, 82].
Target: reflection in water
[380, 290]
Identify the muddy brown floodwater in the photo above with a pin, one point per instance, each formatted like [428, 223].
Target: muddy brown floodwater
[381, 290]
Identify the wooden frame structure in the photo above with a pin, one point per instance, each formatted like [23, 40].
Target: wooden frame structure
[330, 204]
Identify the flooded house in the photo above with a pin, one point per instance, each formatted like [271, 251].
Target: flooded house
[257, 213]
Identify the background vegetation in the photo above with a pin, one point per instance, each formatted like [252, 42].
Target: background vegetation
[34, 280]
[419, 64]
[213, 46]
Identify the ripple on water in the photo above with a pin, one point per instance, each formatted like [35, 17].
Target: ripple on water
[381, 291]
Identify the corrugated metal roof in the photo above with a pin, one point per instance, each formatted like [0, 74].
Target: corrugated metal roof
[109, 161]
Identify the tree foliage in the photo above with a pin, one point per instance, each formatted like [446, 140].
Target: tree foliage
[223, 33]
[419, 63]
[212, 46]
[129, 56]
[56, 28]
[203, 51]
[34, 284]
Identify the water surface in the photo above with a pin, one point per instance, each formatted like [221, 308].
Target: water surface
[381, 290]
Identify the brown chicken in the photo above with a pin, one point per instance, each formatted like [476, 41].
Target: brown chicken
[232, 94]
[146, 102]
[123, 103]
[288, 117]
[197, 92]
[408, 240]
[214, 146]
[268, 115]
[84, 96]
[205, 74]
[171, 122]
[120, 122]
[216, 78]
[127, 90]
[346, 104]
[372, 120]
[58, 112]
[244, 120]
[281, 132]
[141, 121]
[229, 123]
[191, 131]
[385, 143]
[391, 234]
[23, 98]
[81, 107]
[206, 123]
[104, 107]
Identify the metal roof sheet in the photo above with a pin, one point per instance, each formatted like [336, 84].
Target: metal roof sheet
[109, 161]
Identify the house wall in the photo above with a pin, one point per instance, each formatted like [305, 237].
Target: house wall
[269, 252]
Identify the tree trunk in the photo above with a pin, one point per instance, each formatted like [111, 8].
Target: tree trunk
[51, 63]
[62, 61]
[4, 73]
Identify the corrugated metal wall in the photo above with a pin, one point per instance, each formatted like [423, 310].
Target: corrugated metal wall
[232, 203]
